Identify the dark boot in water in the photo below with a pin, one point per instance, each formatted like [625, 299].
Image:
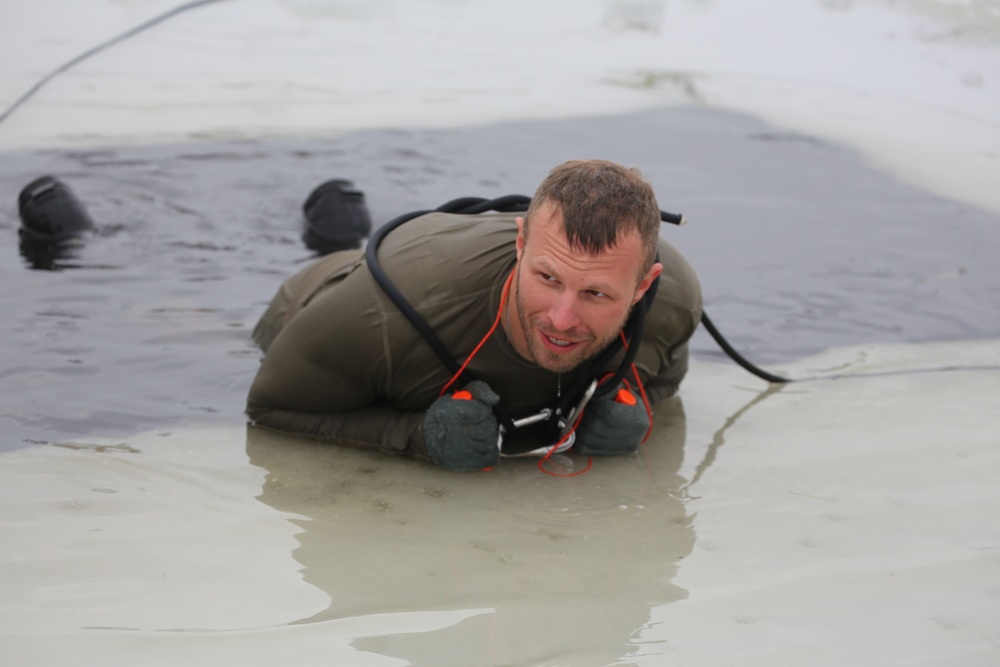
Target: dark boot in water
[336, 217]
[53, 222]
[50, 212]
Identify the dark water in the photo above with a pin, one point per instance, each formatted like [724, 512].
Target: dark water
[798, 244]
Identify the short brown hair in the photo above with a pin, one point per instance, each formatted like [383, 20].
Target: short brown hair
[601, 202]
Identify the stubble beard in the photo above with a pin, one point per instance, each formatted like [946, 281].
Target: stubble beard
[550, 361]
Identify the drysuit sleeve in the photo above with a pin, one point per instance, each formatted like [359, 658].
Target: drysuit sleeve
[665, 384]
[663, 357]
[326, 372]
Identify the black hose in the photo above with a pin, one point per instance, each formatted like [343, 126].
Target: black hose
[380, 276]
[736, 356]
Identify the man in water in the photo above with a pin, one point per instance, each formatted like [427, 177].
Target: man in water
[533, 306]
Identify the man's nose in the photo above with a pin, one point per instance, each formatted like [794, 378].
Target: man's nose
[563, 314]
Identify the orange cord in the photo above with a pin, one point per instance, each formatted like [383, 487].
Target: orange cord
[645, 402]
[590, 459]
[552, 450]
[496, 323]
[642, 392]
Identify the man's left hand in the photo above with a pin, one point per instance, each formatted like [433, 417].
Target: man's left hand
[613, 424]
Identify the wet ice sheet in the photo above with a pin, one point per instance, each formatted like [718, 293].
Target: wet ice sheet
[838, 522]
[851, 522]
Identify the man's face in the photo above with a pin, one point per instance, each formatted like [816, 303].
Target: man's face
[569, 304]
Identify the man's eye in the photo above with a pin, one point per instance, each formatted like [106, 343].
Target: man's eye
[546, 277]
[595, 293]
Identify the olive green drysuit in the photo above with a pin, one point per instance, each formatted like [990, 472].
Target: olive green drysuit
[343, 364]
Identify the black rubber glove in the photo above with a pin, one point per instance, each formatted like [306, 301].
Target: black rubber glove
[460, 431]
[612, 425]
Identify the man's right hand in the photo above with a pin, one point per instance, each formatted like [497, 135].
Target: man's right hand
[460, 431]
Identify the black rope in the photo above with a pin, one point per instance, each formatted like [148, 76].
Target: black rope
[475, 205]
[101, 47]
[375, 266]
[736, 356]
[673, 218]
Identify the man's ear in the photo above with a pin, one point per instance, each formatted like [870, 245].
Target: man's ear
[654, 271]
[520, 236]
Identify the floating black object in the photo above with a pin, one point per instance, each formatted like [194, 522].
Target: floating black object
[336, 217]
[51, 213]
[53, 223]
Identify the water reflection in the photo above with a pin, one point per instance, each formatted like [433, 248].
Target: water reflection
[719, 437]
[47, 256]
[563, 567]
